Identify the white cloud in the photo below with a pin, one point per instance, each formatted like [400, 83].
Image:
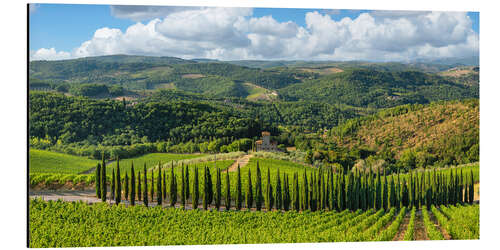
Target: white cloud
[49, 54]
[142, 13]
[232, 33]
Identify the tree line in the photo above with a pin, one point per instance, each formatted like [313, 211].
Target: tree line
[317, 191]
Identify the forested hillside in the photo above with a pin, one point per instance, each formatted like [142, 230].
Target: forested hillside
[414, 136]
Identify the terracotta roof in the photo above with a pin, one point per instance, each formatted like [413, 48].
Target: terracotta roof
[266, 133]
[258, 142]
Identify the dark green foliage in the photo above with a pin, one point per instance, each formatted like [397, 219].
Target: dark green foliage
[205, 189]
[239, 196]
[269, 192]
[186, 172]
[210, 188]
[183, 189]
[145, 194]
[296, 192]
[228, 192]
[139, 191]
[392, 195]
[125, 186]
[159, 188]
[286, 193]
[305, 192]
[249, 192]
[405, 200]
[104, 184]
[132, 185]
[173, 187]
[258, 194]
[278, 196]
[196, 191]
[385, 194]
[152, 194]
[164, 185]
[471, 188]
[118, 184]
[113, 185]
[218, 190]
[98, 180]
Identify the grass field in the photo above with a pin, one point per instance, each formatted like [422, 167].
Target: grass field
[150, 160]
[42, 161]
[64, 224]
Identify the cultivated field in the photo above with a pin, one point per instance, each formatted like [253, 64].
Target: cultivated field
[42, 161]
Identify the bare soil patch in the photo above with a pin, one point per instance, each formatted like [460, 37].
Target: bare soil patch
[192, 76]
[441, 229]
[420, 231]
[402, 228]
[242, 161]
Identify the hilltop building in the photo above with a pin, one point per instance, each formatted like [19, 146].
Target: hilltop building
[266, 144]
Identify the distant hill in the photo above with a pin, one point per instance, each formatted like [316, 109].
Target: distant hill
[378, 89]
[417, 135]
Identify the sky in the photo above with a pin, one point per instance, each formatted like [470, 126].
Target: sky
[66, 31]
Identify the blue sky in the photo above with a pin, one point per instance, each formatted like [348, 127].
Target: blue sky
[59, 31]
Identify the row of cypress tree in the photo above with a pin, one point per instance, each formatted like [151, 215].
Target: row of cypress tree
[320, 190]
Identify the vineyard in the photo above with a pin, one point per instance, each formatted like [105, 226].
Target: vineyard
[76, 224]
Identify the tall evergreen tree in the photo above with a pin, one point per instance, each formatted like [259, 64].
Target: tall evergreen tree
[258, 188]
[385, 194]
[118, 191]
[269, 192]
[125, 182]
[239, 196]
[196, 192]
[471, 187]
[139, 180]
[404, 194]
[296, 190]
[278, 195]
[218, 190]
[227, 199]
[305, 193]
[159, 188]
[145, 194]
[249, 192]
[113, 184]
[286, 193]
[98, 180]
[205, 188]
[183, 189]
[104, 184]
[173, 187]
[132, 185]
[210, 188]
[187, 182]
[164, 185]
[152, 194]
[392, 194]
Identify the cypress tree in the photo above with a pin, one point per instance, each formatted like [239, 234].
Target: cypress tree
[196, 192]
[385, 194]
[98, 180]
[278, 197]
[378, 187]
[113, 183]
[228, 192]
[218, 190]
[312, 193]
[239, 196]
[471, 187]
[296, 190]
[269, 192]
[164, 185]
[392, 194]
[286, 193]
[152, 194]
[328, 191]
[466, 190]
[249, 192]
[210, 187]
[183, 189]
[139, 193]
[173, 187]
[187, 182]
[461, 188]
[132, 185]
[145, 194]
[205, 188]
[126, 185]
[118, 191]
[104, 184]
[258, 195]
[323, 190]
[404, 194]
[305, 193]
